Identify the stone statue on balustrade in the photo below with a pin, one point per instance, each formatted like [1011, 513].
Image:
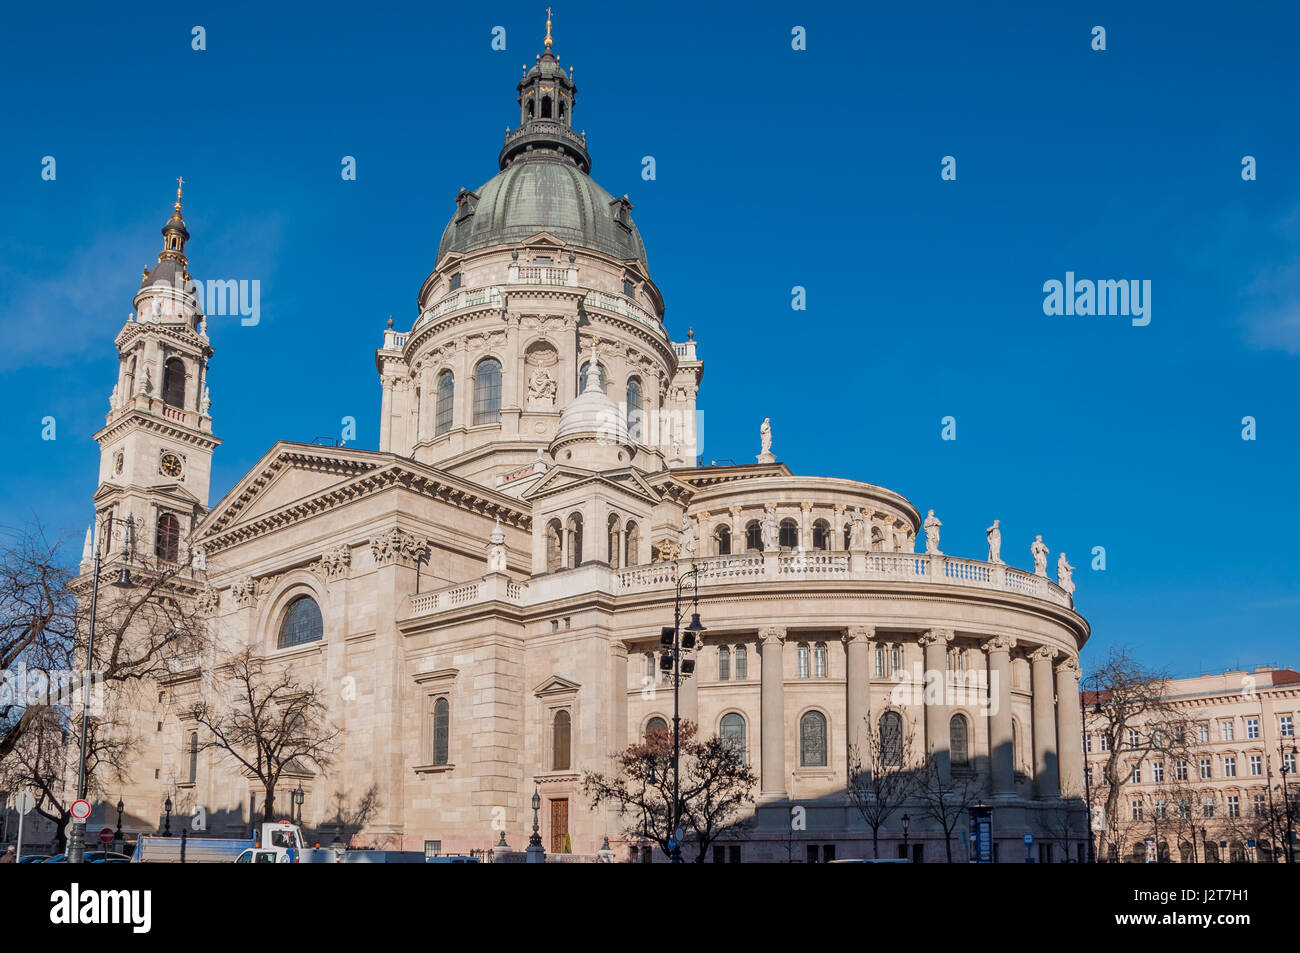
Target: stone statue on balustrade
[496, 558]
[686, 537]
[1039, 550]
[932, 525]
[770, 529]
[995, 542]
[765, 442]
[1065, 574]
[857, 530]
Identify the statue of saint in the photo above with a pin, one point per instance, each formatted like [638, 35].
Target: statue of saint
[932, 525]
[765, 442]
[496, 561]
[771, 530]
[198, 558]
[1039, 550]
[995, 542]
[857, 530]
[686, 536]
[542, 388]
[1064, 574]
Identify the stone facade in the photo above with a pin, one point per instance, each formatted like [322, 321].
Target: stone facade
[508, 555]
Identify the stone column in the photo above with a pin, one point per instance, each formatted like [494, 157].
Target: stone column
[1069, 729]
[618, 662]
[1045, 779]
[857, 651]
[1002, 756]
[737, 531]
[772, 714]
[935, 642]
[805, 525]
[688, 698]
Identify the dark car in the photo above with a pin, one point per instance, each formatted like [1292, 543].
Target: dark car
[93, 857]
[34, 859]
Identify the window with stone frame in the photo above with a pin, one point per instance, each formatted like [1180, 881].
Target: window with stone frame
[819, 660]
[444, 403]
[959, 741]
[302, 623]
[812, 740]
[801, 657]
[487, 391]
[724, 663]
[753, 537]
[561, 740]
[167, 544]
[788, 534]
[742, 663]
[440, 731]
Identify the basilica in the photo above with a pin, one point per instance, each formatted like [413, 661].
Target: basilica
[480, 599]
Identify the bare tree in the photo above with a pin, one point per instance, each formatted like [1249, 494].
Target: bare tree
[350, 821]
[1136, 723]
[880, 778]
[268, 722]
[944, 795]
[716, 784]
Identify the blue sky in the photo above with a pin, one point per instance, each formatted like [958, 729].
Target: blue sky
[775, 168]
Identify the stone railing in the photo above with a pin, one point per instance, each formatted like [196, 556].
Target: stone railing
[685, 351]
[460, 300]
[495, 586]
[935, 569]
[617, 304]
[542, 275]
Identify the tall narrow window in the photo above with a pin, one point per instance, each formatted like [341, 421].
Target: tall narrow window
[487, 391]
[880, 661]
[173, 389]
[724, 664]
[168, 544]
[302, 623]
[802, 657]
[732, 731]
[891, 739]
[788, 536]
[753, 537]
[742, 663]
[441, 730]
[722, 541]
[194, 756]
[821, 535]
[812, 740]
[444, 403]
[560, 737]
[819, 660]
[634, 411]
[633, 544]
[896, 660]
[958, 744]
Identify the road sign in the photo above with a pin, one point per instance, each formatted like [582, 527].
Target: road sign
[106, 836]
[80, 810]
[1028, 839]
[672, 844]
[25, 802]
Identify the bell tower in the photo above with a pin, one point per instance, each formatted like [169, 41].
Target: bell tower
[155, 449]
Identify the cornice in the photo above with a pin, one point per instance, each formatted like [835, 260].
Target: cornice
[135, 418]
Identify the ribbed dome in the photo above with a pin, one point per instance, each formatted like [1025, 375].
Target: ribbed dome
[540, 193]
[593, 414]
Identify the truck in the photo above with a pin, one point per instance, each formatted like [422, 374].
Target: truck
[279, 842]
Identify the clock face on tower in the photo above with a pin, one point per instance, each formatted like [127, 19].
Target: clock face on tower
[170, 464]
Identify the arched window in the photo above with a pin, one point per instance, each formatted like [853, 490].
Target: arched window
[611, 531]
[487, 391]
[880, 661]
[560, 737]
[443, 403]
[546, 107]
[789, 534]
[812, 740]
[634, 409]
[802, 657]
[173, 389]
[732, 731]
[302, 623]
[742, 663]
[633, 544]
[655, 726]
[958, 741]
[582, 376]
[441, 730]
[167, 546]
[722, 541]
[574, 529]
[724, 663]
[194, 756]
[821, 535]
[753, 536]
[554, 545]
[819, 660]
[891, 739]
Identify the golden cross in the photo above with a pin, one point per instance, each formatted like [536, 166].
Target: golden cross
[548, 28]
[179, 182]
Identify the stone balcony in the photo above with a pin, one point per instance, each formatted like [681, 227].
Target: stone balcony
[753, 567]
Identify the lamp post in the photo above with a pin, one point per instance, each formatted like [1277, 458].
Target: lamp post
[675, 641]
[536, 839]
[167, 821]
[1286, 801]
[1205, 846]
[117, 835]
[907, 821]
[77, 848]
[298, 797]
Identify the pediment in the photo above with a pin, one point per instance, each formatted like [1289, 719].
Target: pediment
[556, 685]
[545, 238]
[559, 479]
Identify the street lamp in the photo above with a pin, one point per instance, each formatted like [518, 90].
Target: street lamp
[298, 797]
[907, 821]
[77, 848]
[536, 839]
[1286, 802]
[675, 641]
[167, 821]
[117, 835]
[1205, 846]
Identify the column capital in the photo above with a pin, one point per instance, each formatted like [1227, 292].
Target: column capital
[935, 637]
[735, 510]
[1043, 653]
[1069, 665]
[806, 505]
[618, 648]
[859, 633]
[999, 643]
[772, 635]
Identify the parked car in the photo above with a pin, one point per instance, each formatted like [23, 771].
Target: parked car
[34, 858]
[452, 859]
[93, 857]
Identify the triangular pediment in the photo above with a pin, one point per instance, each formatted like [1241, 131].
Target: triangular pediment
[559, 479]
[556, 685]
[545, 238]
